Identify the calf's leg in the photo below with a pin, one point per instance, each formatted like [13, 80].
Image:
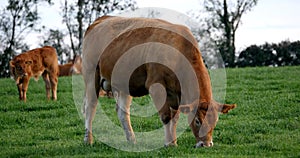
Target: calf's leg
[47, 84]
[25, 87]
[21, 95]
[53, 81]
[123, 111]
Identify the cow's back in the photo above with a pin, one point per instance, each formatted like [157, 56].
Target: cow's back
[116, 32]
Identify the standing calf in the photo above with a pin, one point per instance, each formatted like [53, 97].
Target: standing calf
[36, 62]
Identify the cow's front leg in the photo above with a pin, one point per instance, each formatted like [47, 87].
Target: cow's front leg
[173, 125]
[123, 110]
[169, 118]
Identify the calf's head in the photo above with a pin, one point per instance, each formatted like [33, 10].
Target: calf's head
[203, 117]
[20, 67]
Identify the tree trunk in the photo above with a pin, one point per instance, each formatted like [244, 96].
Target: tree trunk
[80, 25]
[229, 49]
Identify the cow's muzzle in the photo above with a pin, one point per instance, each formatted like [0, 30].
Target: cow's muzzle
[204, 144]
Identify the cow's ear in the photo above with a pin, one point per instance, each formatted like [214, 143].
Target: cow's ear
[226, 107]
[12, 64]
[28, 62]
[189, 107]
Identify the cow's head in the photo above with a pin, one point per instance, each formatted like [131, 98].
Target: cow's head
[203, 117]
[20, 67]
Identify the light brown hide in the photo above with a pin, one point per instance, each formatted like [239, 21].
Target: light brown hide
[108, 39]
[34, 63]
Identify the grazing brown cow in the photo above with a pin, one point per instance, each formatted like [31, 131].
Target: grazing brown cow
[73, 67]
[139, 56]
[36, 62]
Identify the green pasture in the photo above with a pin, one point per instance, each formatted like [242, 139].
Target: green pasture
[266, 122]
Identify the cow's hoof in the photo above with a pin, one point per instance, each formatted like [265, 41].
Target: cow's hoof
[171, 145]
[131, 140]
[88, 138]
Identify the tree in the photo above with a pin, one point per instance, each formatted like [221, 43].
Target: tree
[285, 53]
[78, 16]
[295, 52]
[222, 19]
[257, 56]
[55, 38]
[18, 18]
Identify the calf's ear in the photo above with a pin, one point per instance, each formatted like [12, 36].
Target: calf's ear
[28, 62]
[226, 107]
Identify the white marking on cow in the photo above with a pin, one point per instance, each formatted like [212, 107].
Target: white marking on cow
[202, 144]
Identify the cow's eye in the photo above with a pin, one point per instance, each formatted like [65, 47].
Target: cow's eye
[19, 68]
[197, 122]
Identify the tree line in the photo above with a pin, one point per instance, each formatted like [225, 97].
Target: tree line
[218, 21]
[19, 18]
[285, 53]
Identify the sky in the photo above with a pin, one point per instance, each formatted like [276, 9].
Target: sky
[269, 21]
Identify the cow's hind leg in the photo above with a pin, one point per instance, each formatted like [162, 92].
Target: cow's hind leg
[90, 103]
[90, 111]
[123, 111]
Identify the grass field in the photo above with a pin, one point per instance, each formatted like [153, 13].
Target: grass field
[266, 122]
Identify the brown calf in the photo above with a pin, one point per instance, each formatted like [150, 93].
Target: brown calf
[73, 67]
[36, 62]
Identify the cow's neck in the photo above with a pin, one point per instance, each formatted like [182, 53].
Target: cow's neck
[204, 82]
